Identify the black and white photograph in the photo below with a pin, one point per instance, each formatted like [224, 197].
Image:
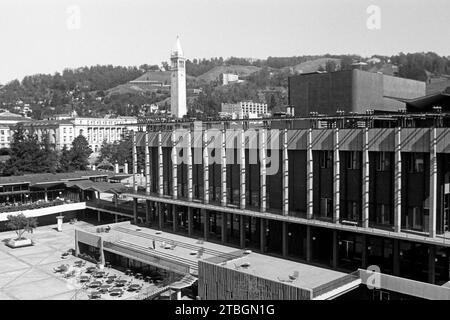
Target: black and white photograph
[224, 158]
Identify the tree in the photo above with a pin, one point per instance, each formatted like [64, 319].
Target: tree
[27, 155]
[330, 66]
[65, 159]
[80, 152]
[21, 224]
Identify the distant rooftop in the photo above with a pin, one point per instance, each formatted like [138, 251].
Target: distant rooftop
[39, 178]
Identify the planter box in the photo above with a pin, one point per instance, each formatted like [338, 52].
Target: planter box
[19, 243]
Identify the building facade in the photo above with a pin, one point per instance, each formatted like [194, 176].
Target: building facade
[8, 121]
[244, 109]
[351, 91]
[61, 133]
[339, 197]
[178, 86]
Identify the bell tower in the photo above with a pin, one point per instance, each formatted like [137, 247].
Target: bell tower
[178, 82]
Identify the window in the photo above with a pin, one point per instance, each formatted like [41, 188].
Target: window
[415, 162]
[2, 131]
[352, 210]
[383, 161]
[352, 160]
[383, 214]
[64, 130]
[325, 207]
[416, 217]
[325, 159]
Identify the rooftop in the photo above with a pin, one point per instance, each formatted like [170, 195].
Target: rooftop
[280, 270]
[169, 247]
[38, 178]
[186, 251]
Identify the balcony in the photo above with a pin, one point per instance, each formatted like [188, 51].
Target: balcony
[41, 208]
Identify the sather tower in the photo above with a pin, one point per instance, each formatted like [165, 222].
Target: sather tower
[178, 83]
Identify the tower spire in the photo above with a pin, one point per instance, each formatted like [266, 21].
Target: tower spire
[177, 50]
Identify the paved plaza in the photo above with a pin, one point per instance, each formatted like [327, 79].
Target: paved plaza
[27, 273]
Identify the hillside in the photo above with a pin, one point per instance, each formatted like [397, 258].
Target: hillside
[214, 73]
[314, 65]
[134, 88]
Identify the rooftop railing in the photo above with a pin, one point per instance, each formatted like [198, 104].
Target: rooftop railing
[335, 284]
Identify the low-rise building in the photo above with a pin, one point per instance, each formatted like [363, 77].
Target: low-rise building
[244, 109]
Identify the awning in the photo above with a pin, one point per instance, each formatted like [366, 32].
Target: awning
[116, 188]
[186, 282]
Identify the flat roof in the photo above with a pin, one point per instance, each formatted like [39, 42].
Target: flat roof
[279, 270]
[264, 266]
[184, 251]
[41, 178]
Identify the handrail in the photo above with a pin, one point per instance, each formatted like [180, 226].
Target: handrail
[334, 284]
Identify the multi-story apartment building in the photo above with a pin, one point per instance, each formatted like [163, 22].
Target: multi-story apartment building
[96, 130]
[244, 109]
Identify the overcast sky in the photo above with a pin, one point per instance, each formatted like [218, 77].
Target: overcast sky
[43, 36]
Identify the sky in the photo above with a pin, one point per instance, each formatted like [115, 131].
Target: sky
[46, 36]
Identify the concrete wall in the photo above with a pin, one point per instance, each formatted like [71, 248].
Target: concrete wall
[351, 91]
[217, 283]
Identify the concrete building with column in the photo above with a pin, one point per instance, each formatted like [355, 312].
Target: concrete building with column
[96, 130]
[340, 197]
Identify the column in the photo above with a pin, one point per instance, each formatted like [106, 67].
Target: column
[262, 234]
[174, 167]
[223, 170]
[335, 249]
[366, 179]
[102, 252]
[433, 183]
[396, 256]
[224, 227]
[205, 215]
[190, 222]
[189, 166]
[160, 209]
[242, 166]
[45, 195]
[77, 245]
[98, 216]
[160, 166]
[205, 168]
[135, 169]
[364, 251]
[284, 239]
[285, 174]
[135, 203]
[147, 163]
[174, 218]
[398, 182]
[308, 243]
[432, 264]
[262, 159]
[336, 177]
[309, 177]
[116, 218]
[242, 231]
[147, 211]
